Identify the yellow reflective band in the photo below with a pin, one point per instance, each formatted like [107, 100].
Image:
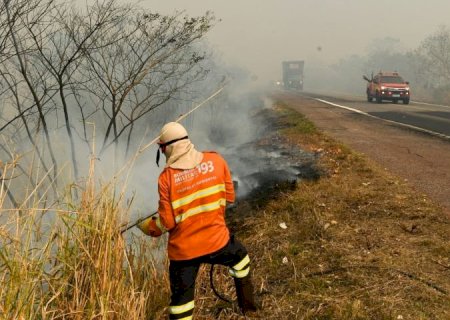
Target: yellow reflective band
[197, 195]
[181, 309]
[239, 274]
[200, 209]
[186, 318]
[160, 225]
[243, 263]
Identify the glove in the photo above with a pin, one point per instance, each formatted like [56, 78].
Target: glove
[144, 225]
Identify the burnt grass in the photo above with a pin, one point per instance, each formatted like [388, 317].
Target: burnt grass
[269, 166]
[331, 235]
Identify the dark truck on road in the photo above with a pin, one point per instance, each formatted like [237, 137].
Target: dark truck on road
[387, 86]
[293, 74]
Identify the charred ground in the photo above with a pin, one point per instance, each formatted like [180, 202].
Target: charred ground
[271, 164]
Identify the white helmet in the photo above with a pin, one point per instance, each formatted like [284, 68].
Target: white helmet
[172, 131]
[179, 151]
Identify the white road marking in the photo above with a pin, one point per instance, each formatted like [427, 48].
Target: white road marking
[386, 120]
[431, 104]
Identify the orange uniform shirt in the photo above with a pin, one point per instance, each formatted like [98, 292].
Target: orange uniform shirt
[192, 208]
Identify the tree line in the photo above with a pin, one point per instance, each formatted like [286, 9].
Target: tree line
[76, 76]
[426, 67]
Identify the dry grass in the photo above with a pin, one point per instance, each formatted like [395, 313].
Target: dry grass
[359, 243]
[74, 264]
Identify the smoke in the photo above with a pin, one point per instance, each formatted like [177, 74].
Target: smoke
[234, 123]
[224, 125]
[238, 124]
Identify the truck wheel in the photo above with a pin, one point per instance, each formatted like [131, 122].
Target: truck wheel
[406, 101]
[378, 98]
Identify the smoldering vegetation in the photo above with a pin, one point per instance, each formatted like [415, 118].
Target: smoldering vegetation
[78, 88]
[426, 67]
[84, 93]
[86, 89]
[266, 161]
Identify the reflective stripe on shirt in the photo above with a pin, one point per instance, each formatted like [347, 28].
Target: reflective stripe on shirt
[200, 209]
[197, 195]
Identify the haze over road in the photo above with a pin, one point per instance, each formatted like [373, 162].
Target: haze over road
[258, 35]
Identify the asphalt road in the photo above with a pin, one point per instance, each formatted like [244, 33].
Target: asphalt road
[430, 117]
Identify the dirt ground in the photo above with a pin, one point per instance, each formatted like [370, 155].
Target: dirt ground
[422, 160]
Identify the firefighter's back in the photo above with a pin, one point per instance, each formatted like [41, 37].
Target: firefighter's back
[198, 199]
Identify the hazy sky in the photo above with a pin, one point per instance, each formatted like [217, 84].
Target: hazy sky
[259, 34]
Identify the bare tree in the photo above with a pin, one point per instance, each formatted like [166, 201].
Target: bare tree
[143, 70]
[61, 48]
[434, 57]
[62, 67]
[20, 16]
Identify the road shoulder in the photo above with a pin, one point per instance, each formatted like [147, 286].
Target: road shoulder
[420, 159]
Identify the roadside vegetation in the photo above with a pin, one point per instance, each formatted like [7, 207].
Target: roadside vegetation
[79, 82]
[354, 242]
[71, 262]
[78, 76]
[358, 242]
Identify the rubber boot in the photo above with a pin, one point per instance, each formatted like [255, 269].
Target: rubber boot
[244, 292]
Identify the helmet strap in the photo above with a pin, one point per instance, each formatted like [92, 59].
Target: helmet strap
[162, 146]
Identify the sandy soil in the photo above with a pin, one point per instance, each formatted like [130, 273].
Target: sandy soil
[423, 160]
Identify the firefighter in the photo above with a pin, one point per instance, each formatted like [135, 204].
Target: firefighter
[194, 188]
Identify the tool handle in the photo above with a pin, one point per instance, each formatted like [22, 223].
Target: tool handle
[128, 227]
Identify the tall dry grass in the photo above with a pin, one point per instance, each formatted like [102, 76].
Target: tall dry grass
[71, 262]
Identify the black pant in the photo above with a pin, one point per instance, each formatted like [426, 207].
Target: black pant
[183, 274]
